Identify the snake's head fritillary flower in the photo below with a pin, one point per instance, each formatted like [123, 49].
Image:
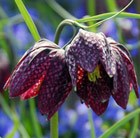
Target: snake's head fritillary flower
[42, 71]
[99, 68]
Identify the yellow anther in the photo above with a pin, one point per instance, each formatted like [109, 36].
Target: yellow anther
[93, 76]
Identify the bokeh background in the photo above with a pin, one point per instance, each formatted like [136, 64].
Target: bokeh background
[21, 118]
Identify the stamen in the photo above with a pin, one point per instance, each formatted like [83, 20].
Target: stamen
[93, 76]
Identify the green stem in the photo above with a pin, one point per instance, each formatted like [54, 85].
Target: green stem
[60, 29]
[35, 122]
[111, 5]
[113, 128]
[61, 26]
[92, 131]
[54, 119]
[107, 15]
[91, 7]
[54, 126]
[100, 22]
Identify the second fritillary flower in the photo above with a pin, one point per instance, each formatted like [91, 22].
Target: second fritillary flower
[100, 68]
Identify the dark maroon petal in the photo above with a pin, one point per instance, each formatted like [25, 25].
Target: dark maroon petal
[88, 49]
[34, 90]
[106, 55]
[40, 46]
[98, 97]
[121, 82]
[83, 48]
[71, 62]
[82, 51]
[81, 85]
[120, 46]
[124, 50]
[130, 69]
[99, 107]
[28, 73]
[94, 94]
[56, 86]
[30, 68]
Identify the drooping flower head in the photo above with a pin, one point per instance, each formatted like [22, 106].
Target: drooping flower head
[96, 66]
[99, 68]
[42, 71]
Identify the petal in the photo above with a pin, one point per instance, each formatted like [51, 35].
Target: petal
[94, 94]
[55, 88]
[34, 90]
[30, 68]
[98, 97]
[130, 68]
[99, 107]
[83, 48]
[105, 55]
[120, 47]
[40, 46]
[88, 49]
[71, 62]
[121, 82]
[28, 73]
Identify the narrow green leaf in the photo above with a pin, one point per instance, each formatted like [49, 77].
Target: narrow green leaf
[120, 123]
[13, 116]
[28, 19]
[134, 127]
[59, 10]
[23, 131]
[15, 127]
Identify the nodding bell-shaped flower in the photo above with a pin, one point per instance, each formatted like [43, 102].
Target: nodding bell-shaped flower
[99, 68]
[42, 71]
